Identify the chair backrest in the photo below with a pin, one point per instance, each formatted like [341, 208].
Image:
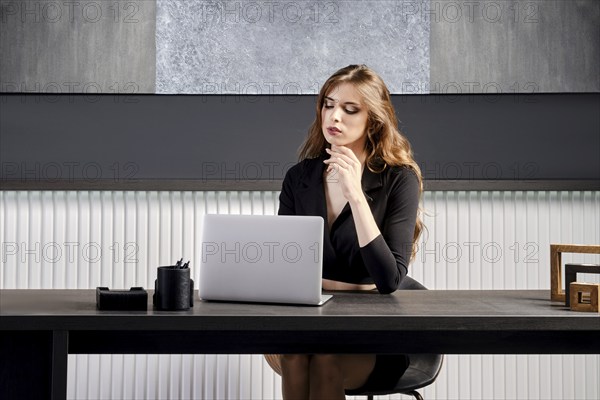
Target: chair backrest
[423, 368]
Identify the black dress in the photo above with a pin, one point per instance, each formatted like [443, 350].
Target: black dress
[393, 197]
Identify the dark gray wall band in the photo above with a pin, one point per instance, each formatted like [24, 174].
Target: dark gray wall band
[250, 139]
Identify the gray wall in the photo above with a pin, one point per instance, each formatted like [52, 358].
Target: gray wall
[523, 46]
[275, 47]
[79, 47]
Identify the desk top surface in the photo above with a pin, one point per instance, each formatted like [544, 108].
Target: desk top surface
[432, 310]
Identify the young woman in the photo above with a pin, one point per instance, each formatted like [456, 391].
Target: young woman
[357, 172]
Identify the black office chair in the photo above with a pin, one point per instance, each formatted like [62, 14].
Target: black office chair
[423, 368]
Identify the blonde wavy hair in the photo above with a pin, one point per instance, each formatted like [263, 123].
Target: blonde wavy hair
[385, 146]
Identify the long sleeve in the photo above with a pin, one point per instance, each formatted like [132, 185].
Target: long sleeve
[387, 256]
[286, 197]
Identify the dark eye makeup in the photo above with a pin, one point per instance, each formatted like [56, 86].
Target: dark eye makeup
[345, 109]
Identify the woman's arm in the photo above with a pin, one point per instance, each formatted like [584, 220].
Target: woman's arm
[286, 197]
[386, 254]
[349, 172]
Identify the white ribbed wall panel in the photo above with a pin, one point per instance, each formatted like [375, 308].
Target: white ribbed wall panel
[475, 240]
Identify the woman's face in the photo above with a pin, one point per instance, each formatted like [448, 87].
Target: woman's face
[344, 117]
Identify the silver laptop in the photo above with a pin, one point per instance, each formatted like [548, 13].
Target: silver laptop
[262, 258]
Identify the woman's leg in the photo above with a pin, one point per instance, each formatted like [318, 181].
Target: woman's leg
[326, 377]
[295, 376]
[321, 375]
[331, 374]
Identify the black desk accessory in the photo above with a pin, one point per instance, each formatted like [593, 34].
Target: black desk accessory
[571, 271]
[135, 298]
[173, 288]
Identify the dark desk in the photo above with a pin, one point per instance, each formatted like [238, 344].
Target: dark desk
[40, 327]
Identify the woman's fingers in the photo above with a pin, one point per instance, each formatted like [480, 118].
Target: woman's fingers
[342, 159]
[337, 161]
[349, 169]
[347, 158]
[346, 152]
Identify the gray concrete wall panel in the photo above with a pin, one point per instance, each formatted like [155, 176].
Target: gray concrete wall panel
[78, 46]
[284, 47]
[513, 46]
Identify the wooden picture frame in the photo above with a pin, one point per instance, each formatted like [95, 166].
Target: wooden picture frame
[576, 292]
[557, 293]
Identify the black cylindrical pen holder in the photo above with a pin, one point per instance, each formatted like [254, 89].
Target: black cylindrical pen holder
[173, 289]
